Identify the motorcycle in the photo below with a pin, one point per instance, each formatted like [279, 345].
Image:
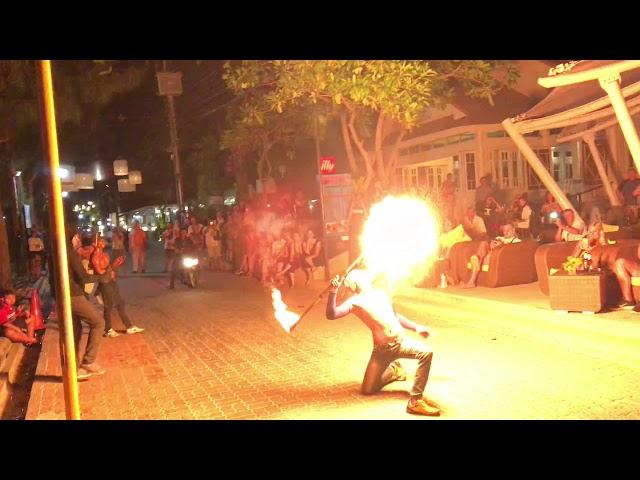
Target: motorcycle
[190, 271]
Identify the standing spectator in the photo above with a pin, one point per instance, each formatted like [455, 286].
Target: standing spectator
[628, 192]
[138, 245]
[448, 192]
[483, 191]
[118, 244]
[169, 238]
[36, 251]
[313, 257]
[109, 291]
[84, 311]
[300, 206]
[214, 249]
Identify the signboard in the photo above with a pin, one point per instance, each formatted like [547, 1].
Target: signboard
[336, 192]
[169, 83]
[327, 165]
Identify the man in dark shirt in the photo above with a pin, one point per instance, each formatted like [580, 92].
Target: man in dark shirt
[628, 186]
[84, 311]
[373, 307]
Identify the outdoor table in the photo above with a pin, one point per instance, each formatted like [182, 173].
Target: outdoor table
[587, 292]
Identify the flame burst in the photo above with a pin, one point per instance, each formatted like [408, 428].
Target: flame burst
[286, 318]
[400, 239]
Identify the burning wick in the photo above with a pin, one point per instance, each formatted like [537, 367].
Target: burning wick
[286, 318]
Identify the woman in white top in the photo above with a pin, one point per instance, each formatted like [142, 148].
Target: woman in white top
[212, 241]
[523, 225]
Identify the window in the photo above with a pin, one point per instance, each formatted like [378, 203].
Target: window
[422, 176]
[439, 176]
[545, 158]
[470, 164]
[456, 171]
[504, 165]
[398, 176]
[516, 171]
[414, 177]
[497, 134]
[568, 166]
[556, 162]
[430, 177]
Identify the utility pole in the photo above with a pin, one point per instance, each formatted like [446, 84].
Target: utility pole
[169, 85]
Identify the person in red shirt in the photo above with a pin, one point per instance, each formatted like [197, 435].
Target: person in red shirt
[9, 314]
[138, 247]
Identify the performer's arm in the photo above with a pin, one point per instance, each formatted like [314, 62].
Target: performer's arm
[334, 311]
[409, 325]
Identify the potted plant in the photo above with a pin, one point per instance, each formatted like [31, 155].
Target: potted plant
[572, 264]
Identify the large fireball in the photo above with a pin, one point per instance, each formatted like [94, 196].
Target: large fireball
[400, 238]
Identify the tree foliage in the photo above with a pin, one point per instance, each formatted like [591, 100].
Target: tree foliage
[376, 101]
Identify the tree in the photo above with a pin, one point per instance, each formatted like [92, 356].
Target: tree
[83, 89]
[376, 101]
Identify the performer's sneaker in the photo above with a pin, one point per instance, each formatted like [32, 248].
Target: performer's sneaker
[134, 329]
[636, 308]
[423, 407]
[399, 374]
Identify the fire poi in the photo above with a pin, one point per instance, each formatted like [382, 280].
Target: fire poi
[399, 239]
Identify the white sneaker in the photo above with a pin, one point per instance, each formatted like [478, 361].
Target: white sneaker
[134, 329]
[111, 333]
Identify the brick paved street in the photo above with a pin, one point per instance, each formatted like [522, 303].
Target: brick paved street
[217, 353]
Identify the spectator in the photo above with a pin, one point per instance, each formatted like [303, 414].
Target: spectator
[8, 316]
[36, 251]
[628, 188]
[196, 234]
[118, 244]
[523, 219]
[109, 291]
[138, 246]
[569, 227]
[214, 248]
[184, 247]
[493, 215]
[312, 248]
[474, 225]
[483, 254]
[548, 208]
[484, 190]
[625, 269]
[169, 237]
[84, 311]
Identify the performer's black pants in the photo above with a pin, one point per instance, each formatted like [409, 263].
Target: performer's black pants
[379, 373]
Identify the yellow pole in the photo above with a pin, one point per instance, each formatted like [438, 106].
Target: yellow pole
[590, 139]
[59, 246]
[611, 85]
[538, 167]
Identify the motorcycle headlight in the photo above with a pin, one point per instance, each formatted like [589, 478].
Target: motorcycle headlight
[189, 262]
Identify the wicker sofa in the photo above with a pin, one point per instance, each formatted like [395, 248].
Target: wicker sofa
[552, 256]
[508, 265]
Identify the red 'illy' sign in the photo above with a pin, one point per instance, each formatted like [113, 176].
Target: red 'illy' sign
[327, 165]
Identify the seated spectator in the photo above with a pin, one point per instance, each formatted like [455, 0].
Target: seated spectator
[8, 316]
[625, 270]
[494, 215]
[313, 255]
[474, 225]
[570, 228]
[483, 254]
[522, 221]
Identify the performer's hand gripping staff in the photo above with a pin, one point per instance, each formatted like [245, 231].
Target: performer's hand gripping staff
[288, 319]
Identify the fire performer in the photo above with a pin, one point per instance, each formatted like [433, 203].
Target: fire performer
[374, 308]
